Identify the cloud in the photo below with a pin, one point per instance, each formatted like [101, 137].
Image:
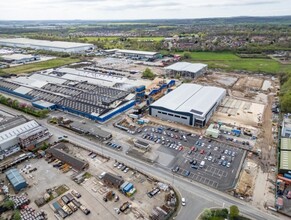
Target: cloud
[139, 9]
[232, 3]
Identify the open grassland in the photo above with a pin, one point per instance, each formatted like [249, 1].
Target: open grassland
[230, 62]
[32, 67]
[213, 56]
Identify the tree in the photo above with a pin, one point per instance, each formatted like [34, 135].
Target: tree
[148, 74]
[233, 211]
[206, 215]
[16, 215]
[9, 204]
[187, 55]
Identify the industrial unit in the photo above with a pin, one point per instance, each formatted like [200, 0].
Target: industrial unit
[186, 70]
[57, 46]
[189, 104]
[60, 91]
[59, 152]
[16, 179]
[18, 132]
[285, 156]
[133, 53]
[19, 58]
[286, 128]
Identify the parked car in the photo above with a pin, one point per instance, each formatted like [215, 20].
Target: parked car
[176, 169]
[194, 167]
[183, 201]
[187, 173]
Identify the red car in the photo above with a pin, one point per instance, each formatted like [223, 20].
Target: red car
[193, 148]
[181, 148]
[202, 151]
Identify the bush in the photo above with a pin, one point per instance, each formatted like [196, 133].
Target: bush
[187, 55]
[233, 212]
[16, 215]
[148, 74]
[9, 204]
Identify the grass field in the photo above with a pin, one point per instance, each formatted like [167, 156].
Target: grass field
[230, 62]
[213, 56]
[91, 39]
[27, 68]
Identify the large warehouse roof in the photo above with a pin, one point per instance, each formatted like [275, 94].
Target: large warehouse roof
[188, 67]
[132, 52]
[191, 98]
[43, 43]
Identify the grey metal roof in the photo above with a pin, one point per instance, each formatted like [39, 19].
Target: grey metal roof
[185, 66]
[191, 98]
[14, 177]
[43, 43]
[14, 132]
[58, 152]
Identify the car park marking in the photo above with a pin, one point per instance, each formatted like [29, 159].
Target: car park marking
[197, 177]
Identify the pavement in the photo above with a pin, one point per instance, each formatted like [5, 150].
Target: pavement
[198, 195]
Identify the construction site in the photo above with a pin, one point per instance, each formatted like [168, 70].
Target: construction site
[248, 105]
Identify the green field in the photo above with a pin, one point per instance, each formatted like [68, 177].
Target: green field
[229, 61]
[27, 68]
[213, 56]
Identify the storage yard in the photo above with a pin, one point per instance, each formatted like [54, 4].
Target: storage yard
[95, 194]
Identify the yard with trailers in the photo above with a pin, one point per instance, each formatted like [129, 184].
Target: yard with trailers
[48, 174]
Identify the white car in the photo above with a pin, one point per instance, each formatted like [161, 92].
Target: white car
[126, 170]
[183, 200]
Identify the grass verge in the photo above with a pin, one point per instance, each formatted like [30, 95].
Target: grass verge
[32, 67]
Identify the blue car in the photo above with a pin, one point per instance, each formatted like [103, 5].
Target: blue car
[187, 173]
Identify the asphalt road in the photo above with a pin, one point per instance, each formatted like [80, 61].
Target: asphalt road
[198, 196]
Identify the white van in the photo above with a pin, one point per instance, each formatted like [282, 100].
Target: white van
[202, 164]
[183, 200]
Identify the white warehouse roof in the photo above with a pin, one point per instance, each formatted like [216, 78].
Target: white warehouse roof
[185, 66]
[191, 98]
[17, 56]
[132, 52]
[43, 43]
[14, 132]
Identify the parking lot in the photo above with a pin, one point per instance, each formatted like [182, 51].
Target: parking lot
[212, 163]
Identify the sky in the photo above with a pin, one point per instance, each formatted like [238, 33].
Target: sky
[138, 9]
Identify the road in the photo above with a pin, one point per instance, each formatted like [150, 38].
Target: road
[198, 196]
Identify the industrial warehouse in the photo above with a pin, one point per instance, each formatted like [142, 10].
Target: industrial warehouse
[18, 132]
[80, 95]
[57, 46]
[19, 58]
[189, 104]
[186, 70]
[133, 54]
